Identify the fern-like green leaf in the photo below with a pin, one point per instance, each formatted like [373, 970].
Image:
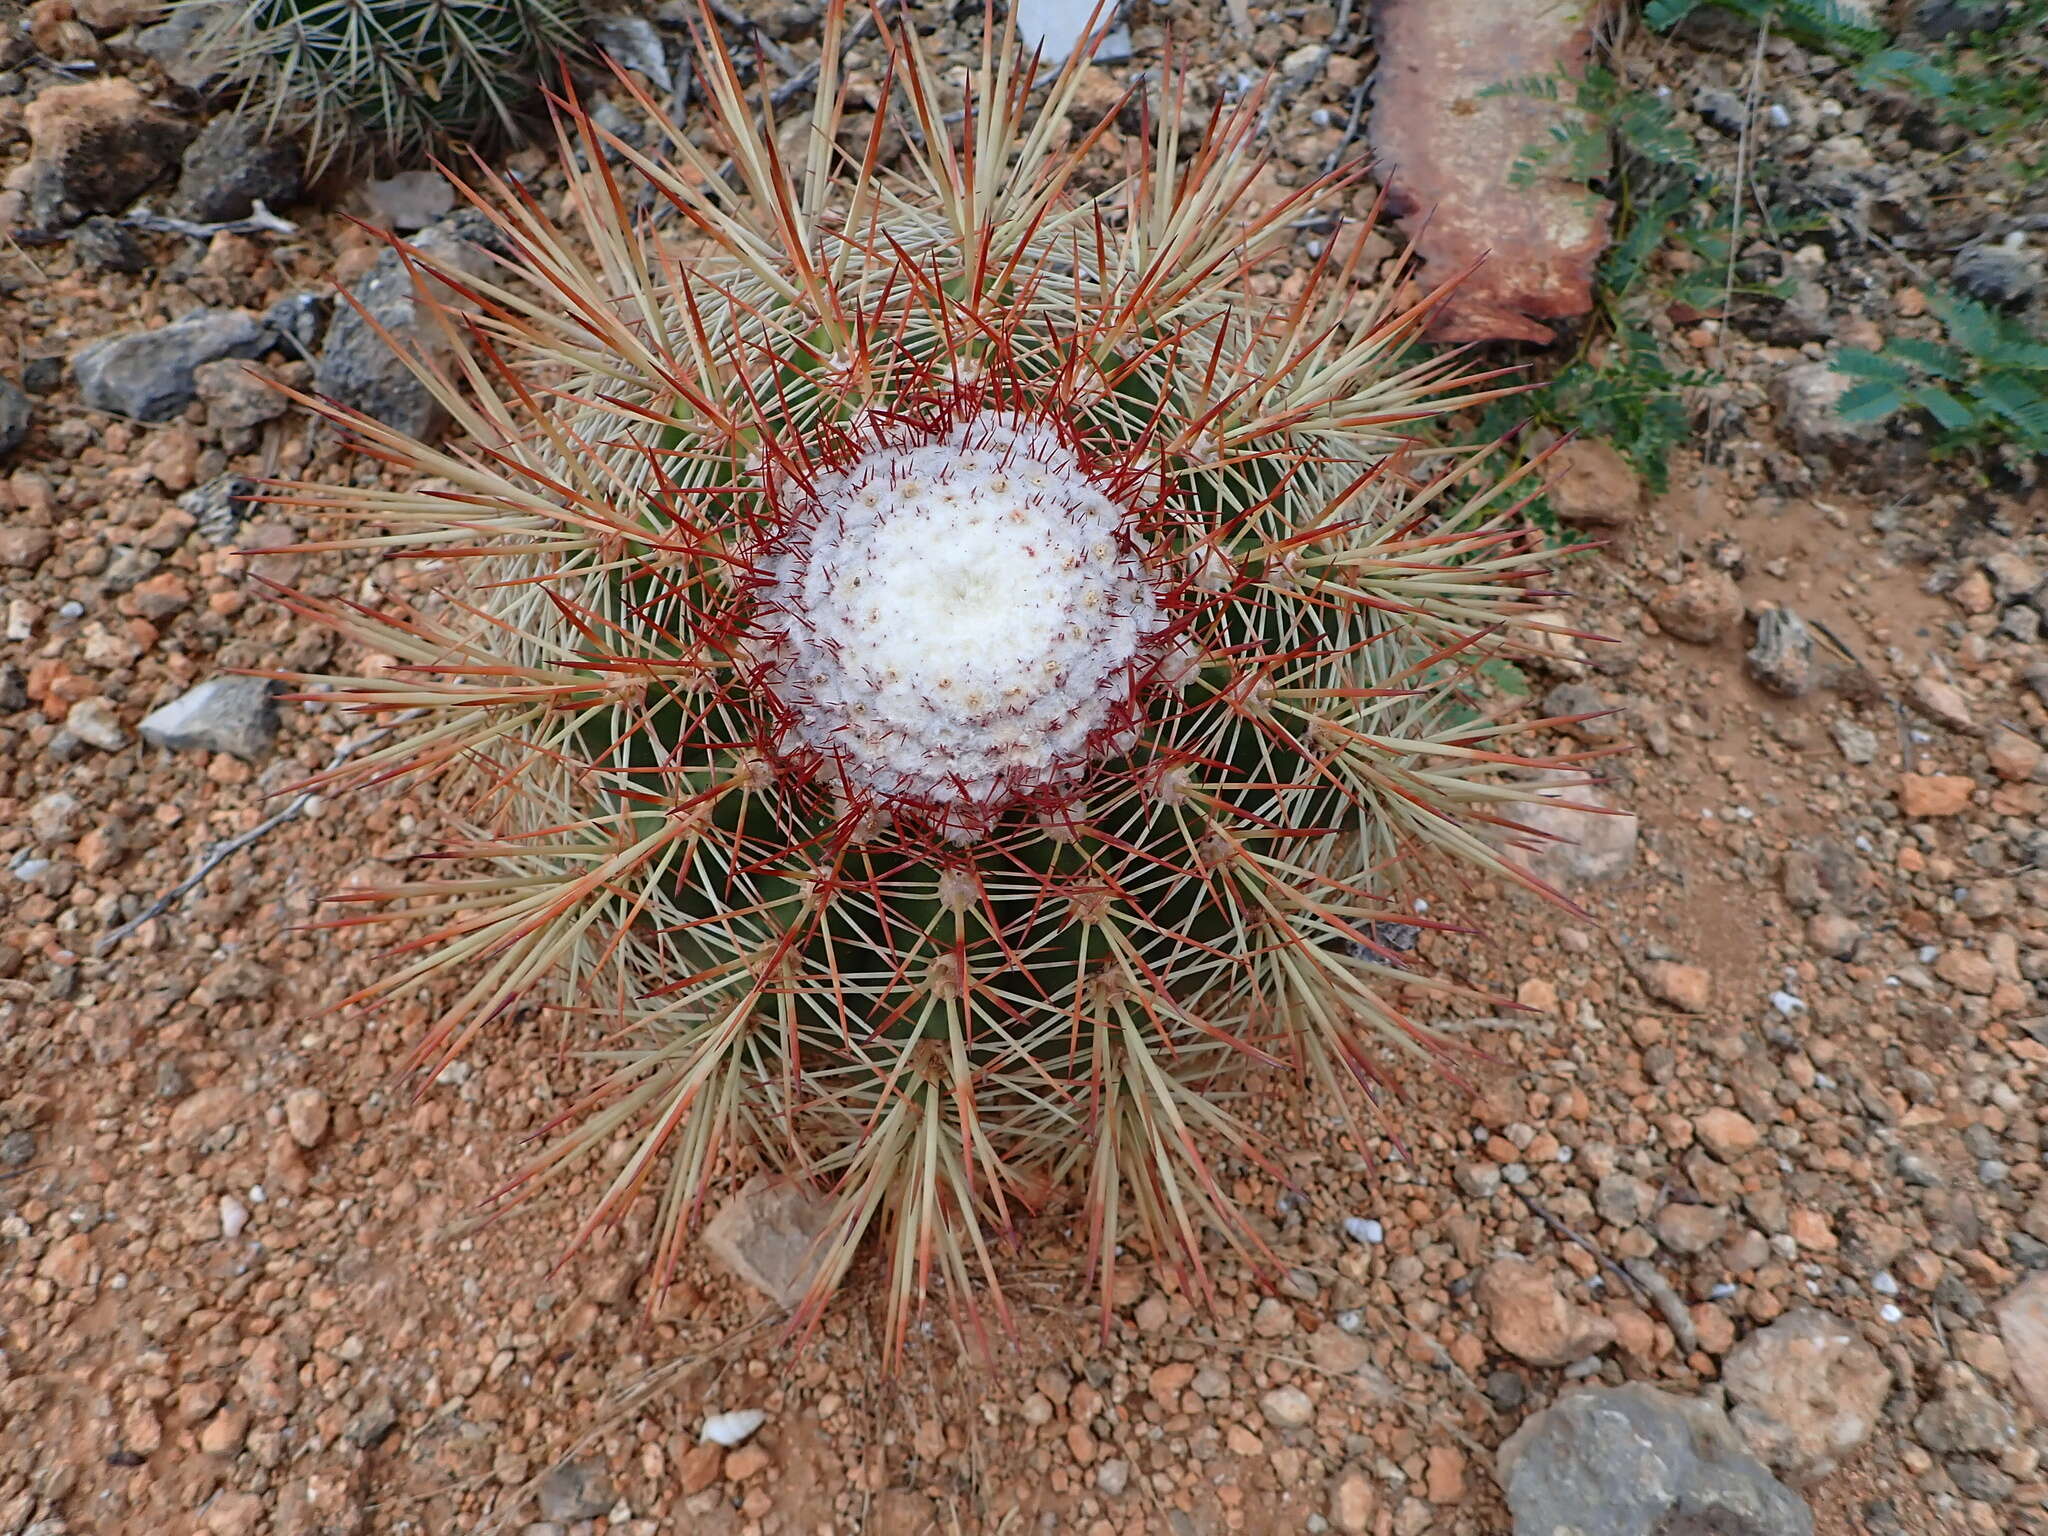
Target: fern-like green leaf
[1927, 356]
[1872, 400]
[2020, 402]
[1944, 407]
[1860, 364]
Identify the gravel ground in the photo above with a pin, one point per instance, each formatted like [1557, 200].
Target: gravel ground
[1794, 1055]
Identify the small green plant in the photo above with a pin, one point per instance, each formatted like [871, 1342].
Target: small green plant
[379, 82]
[939, 681]
[1988, 385]
[1618, 384]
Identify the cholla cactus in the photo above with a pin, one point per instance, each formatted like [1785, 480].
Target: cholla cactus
[944, 673]
[382, 81]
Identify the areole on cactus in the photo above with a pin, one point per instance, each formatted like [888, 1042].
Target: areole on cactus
[941, 675]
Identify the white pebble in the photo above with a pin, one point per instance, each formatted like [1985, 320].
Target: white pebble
[1883, 1283]
[1363, 1229]
[233, 1217]
[734, 1428]
[1890, 1313]
[1787, 1004]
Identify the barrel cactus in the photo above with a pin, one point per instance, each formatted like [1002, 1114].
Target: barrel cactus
[945, 682]
[379, 82]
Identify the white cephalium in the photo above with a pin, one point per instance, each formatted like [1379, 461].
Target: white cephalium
[957, 620]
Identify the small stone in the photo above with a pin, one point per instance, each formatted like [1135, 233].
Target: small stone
[1963, 1416]
[1581, 836]
[733, 1429]
[1113, 1477]
[94, 722]
[237, 395]
[233, 1217]
[2023, 1326]
[748, 1461]
[1925, 795]
[1288, 1408]
[1685, 987]
[15, 415]
[1967, 971]
[1630, 1460]
[769, 1235]
[701, 1466]
[23, 549]
[1691, 1228]
[68, 1262]
[1807, 1392]
[1942, 701]
[232, 166]
[236, 715]
[231, 1513]
[1354, 1501]
[1274, 1319]
[410, 200]
[1533, 1320]
[2003, 275]
[1444, 1481]
[2014, 757]
[1336, 1352]
[1781, 660]
[178, 45]
[1855, 743]
[148, 375]
[225, 1432]
[576, 1490]
[1806, 397]
[102, 141]
[1834, 935]
[367, 1429]
[1726, 1133]
[1592, 486]
[1700, 609]
[306, 1116]
[357, 365]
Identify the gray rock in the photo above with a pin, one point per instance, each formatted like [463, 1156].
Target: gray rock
[1945, 18]
[410, 200]
[223, 714]
[1782, 658]
[231, 167]
[179, 47]
[148, 374]
[635, 44]
[14, 417]
[298, 319]
[768, 1235]
[1854, 742]
[1805, 396]
[357, 366]
[376, 1419]
[576, 1490]
[102, 244]
[221, 506]
[1624, 1461]
[1964, 1416]
[2002, 275]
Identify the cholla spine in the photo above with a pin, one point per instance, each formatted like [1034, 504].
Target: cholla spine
[944, 995]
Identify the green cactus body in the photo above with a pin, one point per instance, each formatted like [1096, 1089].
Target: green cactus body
[383, 81]
[943, 677]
